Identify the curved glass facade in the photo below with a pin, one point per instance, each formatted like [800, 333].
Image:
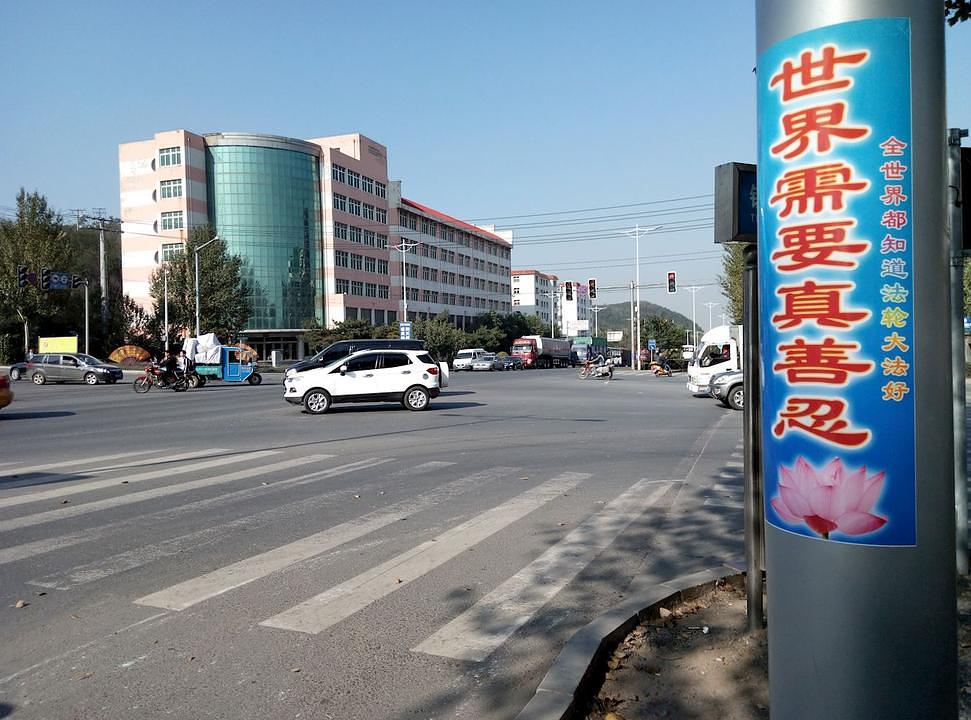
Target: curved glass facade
[265, 203]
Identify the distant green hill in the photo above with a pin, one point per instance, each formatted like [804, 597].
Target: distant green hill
[617, 316]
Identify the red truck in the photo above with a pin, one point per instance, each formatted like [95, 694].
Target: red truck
[540, 352]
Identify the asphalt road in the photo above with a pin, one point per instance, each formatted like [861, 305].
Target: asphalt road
[220, 554]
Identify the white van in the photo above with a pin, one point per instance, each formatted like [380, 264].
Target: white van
[464, 359]
[720, 350]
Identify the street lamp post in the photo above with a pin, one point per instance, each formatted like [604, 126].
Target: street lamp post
[404, 247]
[196, 253]
[693, 289]
[596, 318]
[165, 285]
[710, 305]
[636, 234]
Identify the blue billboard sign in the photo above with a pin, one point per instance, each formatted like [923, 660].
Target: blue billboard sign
[836, 283]
[404, 330]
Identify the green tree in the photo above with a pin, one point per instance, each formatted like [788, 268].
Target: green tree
[441, 338]
[668, 334]
[225, 297]
[35, 237]
[730, 281]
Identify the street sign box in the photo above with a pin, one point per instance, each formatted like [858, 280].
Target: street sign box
[404, 330]
[736, 203]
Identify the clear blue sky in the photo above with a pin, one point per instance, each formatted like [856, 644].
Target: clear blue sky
[488, 108]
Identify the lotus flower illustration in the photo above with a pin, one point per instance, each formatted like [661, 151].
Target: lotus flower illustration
[834, 499]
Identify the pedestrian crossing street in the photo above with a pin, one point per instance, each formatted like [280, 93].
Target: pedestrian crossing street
[54, 508]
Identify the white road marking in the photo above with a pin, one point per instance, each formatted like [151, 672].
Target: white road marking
[713, 502]
[218, 582]
[74, 510]
[78, 462]
[340, 602]
[732, 463]
[75, 488]
[424, 467]
[731, 475]
[476, 633]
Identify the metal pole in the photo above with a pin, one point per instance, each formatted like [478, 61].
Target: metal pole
[862, 620]
[710, 305]
[165, 285]
[196, 254]
[754, 516]
[103, 268]
[958, 196]
[632, 324]
[87, 334]
[637, 299]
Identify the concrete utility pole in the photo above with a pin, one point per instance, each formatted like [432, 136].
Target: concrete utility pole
[103, 272]
[861, 590]
[693, 289]
[710, 305]
[404, 247]
[633, 319]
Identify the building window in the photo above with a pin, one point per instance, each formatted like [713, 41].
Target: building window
[370, 239]
[172, 220]
[370, 290]
[354, 234]
[384, 293]
[368, 211]
[354, 206]
[170, 251]
[340, 202]
[357, 287]
[382, 241]
[515, 291]
[342, 286]
[380, 189]
[515, 301]
[367, 184]
[170, 188]
[341, 259]
[370, 264]
[170, 156]
[353, 179]
[340, 231]
[412, 271]
[357, 262]
[382, 267]
[337, 173]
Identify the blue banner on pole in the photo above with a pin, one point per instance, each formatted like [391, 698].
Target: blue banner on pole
[836, 283]
[404, 330]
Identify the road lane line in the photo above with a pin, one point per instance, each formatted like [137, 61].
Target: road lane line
[735, 464]
[74, 463]
[733, 489]
[165, 490]
[75, 488]
[713, 502]
[342, 601]
[218, 582]
[476, 633]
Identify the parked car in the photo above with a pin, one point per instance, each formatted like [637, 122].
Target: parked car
[18, 371]
[465, 357]
[728, 389]
[6, 394]
[512, 362]
[71, 367]
[410, 377]
[487, 362]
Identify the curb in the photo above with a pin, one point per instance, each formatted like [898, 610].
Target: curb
[580, 663]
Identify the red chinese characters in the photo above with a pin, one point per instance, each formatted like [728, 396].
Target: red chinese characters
[821, 123]
[820, 303]
[823, 418]
[811, 189]
[815, 74]
[827, 362]
[821, 244]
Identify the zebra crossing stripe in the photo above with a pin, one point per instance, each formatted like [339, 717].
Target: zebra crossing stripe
[342, 601]
[713, 502]
[165, 490]
[75, 488]
[476, 633]
[74, 463]
[223, 580]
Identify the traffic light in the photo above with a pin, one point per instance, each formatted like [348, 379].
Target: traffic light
[592, 288]
[22, 280]
[77, 281]
[672, 282]
[45, 278]
[569, 291]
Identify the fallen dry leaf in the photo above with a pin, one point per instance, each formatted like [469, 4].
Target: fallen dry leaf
[83, 675]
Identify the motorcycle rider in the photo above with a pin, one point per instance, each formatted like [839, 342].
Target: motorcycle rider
[167, 366]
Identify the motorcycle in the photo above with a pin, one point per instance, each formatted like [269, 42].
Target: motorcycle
[155, 377]
[601, 370]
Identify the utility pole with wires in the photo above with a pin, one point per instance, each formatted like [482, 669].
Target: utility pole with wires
[710, 305]
[103, 271]
[693, 289]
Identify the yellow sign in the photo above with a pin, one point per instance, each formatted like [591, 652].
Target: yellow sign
[58, 344]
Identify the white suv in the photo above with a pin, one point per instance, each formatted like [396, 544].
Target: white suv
[410, 377]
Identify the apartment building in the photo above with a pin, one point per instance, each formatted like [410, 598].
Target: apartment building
[535, 293]
[573, 309]
[315, 223]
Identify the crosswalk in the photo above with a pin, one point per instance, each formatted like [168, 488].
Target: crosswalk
[729, 490]
[163, 504]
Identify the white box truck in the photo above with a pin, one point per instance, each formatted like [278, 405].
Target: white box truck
[720, 350]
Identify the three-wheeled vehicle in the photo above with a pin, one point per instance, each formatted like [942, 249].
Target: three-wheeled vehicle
[235, 365]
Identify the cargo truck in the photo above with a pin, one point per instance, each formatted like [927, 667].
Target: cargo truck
[542, 352]
[720, 350]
